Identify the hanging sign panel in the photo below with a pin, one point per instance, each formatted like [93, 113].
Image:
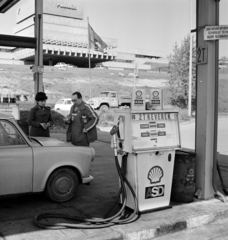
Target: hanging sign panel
[216, 32]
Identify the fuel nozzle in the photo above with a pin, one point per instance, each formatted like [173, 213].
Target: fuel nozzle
[114, 130]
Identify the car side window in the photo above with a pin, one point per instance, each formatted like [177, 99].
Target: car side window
[68, 102]
[9, 135]
[113, 95]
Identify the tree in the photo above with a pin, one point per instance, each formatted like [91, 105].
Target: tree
[179, 69]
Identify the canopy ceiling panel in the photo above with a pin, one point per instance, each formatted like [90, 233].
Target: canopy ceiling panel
[5, 5]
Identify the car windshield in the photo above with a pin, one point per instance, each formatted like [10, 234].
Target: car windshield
[61, 101]
[104, 94]
[9, 135]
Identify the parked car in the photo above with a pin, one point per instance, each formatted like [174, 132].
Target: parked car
[37, 164]
[109, 99]
[71, 66]
[63, 104]
[60, 65]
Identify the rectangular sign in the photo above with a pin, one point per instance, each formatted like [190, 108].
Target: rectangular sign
[155, 191]
[154, 130]
[201, 55]
[12, 109]
[216, 32]
[156, 98]
[153, 116]
[38, 69]
[138, 99]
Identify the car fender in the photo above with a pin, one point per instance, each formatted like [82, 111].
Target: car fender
[48, 159]
[57, 166]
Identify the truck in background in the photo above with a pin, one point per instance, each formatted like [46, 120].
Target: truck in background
[109, 99]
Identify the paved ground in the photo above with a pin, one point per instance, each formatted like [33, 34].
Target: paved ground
[214, 231]
[16, 214]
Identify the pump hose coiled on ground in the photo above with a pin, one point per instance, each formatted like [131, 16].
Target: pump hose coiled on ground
[92, 223]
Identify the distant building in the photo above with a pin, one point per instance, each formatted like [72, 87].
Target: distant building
[65, 39]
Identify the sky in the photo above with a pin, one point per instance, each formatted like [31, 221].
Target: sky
[145, 24]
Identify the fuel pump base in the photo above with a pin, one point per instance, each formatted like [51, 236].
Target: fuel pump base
[150, 175]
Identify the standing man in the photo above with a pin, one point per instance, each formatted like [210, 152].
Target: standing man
[82, 122]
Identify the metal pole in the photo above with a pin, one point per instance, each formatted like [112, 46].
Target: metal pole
[90, 84]
[38, 75]
[135, 73]
[190, 70]
[216, 99]
[206, 94]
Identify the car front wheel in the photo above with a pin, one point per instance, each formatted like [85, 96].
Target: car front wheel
[61, 185]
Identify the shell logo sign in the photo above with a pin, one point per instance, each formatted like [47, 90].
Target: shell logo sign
[155, 174]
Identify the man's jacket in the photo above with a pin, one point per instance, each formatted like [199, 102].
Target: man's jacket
[84, 117]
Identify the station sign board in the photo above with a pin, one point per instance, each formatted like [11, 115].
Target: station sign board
[138, 99]
[156, 98]
[216, 32]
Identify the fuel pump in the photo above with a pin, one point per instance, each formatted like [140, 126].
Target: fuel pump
[149, 138]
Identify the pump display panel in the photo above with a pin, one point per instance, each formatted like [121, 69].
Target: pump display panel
[155, 130]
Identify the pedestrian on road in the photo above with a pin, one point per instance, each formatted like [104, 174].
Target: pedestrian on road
[40, 118]
[82, 122]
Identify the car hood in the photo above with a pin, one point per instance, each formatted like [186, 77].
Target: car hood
[51, 142]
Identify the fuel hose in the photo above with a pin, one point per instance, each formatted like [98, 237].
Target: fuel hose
[121, 217]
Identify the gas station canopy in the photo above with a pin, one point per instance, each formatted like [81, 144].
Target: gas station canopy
[5, 5]
[10, 40]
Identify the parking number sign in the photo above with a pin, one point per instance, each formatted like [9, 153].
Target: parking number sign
[201, 57]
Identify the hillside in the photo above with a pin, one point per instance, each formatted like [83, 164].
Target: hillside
[59, 83]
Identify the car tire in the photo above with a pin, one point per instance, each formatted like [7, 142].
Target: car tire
[104, 108]
[62, 185]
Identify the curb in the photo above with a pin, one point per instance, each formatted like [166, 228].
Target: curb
[148, 233]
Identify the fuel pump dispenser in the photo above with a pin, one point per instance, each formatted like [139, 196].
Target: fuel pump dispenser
[149, 138]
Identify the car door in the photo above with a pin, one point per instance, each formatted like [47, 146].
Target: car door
[113, 100]
[16, 161]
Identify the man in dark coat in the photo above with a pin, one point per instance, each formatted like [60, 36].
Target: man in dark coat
[83, 120]
[40, 118]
